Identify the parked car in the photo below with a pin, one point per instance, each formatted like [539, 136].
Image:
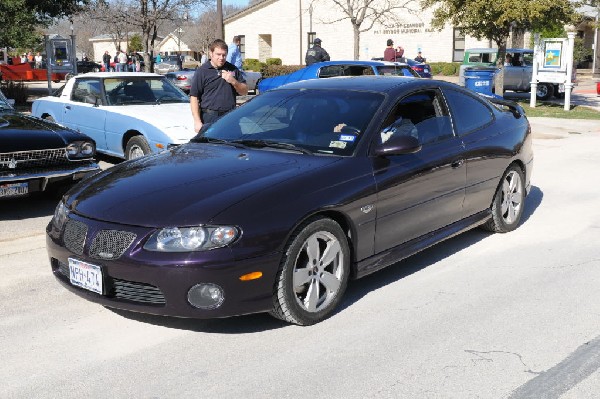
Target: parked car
[88, 66]
[278, 204]
[517, 76]
[37, 155]
[128, 114]
[183, 79]
[421, 68]
[338, 68]
[170, 63]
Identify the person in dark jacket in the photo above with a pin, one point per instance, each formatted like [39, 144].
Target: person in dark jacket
[316, 53]
[106, 61]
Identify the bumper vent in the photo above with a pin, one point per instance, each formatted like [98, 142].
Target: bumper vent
[126, 290]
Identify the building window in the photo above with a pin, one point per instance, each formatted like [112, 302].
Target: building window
[311, 36]
[242, 46]
[458, 50]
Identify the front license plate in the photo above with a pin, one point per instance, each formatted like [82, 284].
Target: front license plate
[85, 275]
[13, 189]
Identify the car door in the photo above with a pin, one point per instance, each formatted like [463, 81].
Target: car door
[474, 124]
[421, 192]
[85, 112]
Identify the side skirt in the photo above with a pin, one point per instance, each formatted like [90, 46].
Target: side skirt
[393, 255]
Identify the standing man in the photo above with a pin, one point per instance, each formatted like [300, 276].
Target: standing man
[214, 86]
[234, 55]
[316, 53]
[390, 54]
[106, 61]
[122, 58]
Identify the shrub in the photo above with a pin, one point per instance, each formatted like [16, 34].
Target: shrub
[276, 70]
[252, 64]
[273, 61]
[15, 90]
[444, 68]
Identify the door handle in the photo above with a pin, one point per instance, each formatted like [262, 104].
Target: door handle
[68, 107]
[457, 164]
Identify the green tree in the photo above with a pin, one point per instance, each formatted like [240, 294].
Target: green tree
[21, 20]
[495, 19]
[135, 43]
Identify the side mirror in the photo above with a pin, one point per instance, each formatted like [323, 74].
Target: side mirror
[398, 145]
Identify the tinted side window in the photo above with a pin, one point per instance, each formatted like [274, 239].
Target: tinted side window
[331, 70]
[469, 113]
[422, 115]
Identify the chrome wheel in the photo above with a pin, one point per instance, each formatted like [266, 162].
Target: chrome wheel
[135, 152]
[508, 203]
[313, 273]
[512, 197]
[318, 271]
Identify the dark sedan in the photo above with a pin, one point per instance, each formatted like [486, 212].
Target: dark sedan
[332, 69]
[37, 155]
[278, 204]
[88, 66]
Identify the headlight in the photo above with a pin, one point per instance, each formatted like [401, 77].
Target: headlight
[80, 149]
[185, 239]
[60, 216]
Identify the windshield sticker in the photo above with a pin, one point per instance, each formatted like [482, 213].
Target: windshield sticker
[337, 144]
[347, 137]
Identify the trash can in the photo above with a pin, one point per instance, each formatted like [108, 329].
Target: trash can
[480, 80]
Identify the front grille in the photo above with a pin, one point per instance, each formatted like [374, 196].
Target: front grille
[127, 290]
[32, 159]
[74, 236]
[111, 244]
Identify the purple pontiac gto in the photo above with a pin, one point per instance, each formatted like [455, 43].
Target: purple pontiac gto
[278, 204]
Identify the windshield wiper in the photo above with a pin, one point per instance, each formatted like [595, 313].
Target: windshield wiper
[212, 140]
[272, 144]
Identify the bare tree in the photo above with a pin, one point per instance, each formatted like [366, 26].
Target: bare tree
[364, 14]
[143, 16]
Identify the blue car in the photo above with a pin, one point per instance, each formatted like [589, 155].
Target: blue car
[330, 69]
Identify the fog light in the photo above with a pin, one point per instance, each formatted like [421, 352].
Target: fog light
[206, 296]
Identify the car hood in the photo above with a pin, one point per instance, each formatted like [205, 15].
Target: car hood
[166, 115]
[186, 186]
[19, 132]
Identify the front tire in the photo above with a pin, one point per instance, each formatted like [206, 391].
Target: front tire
[508, 202]
[313, 274]
[137, 146]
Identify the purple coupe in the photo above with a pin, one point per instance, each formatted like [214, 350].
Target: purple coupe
[278, 204]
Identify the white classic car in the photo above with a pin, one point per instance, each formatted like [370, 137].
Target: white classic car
[128, 114]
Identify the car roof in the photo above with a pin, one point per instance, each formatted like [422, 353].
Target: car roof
[494, 50]
[358, 62]
[117, 75]
[381, 84]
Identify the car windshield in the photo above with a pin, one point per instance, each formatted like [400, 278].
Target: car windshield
[315, 121]
[392, 70]
[142, 90]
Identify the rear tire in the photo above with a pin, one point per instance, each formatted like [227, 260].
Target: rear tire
[49, 119]
[508, 203]
[137, 147]
[313, 273]
[544, 91]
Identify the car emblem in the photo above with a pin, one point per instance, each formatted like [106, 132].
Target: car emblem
[366, 208]
[106, 255]
[12, 164]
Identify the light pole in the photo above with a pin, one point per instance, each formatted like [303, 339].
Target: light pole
[179, 32]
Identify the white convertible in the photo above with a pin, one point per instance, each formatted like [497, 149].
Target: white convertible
[128, 114]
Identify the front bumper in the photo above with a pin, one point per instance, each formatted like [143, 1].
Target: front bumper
[158, 283]
[39, 179]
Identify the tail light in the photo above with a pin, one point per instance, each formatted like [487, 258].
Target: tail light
[181, 77]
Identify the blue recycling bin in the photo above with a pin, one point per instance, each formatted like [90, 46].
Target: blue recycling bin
[480, 80]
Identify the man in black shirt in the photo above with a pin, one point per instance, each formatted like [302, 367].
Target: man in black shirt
[316, 53]
[214, 86]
